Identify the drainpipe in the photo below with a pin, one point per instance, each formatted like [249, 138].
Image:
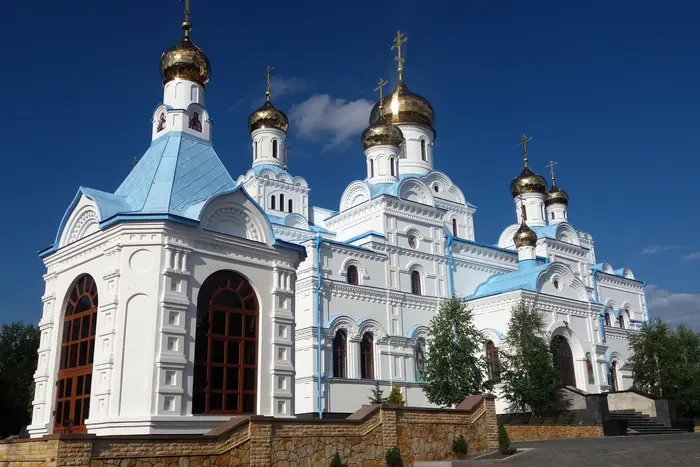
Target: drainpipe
[319, 330]
[644, 295]
[450, 264]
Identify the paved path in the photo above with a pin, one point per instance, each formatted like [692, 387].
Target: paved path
[623, 451]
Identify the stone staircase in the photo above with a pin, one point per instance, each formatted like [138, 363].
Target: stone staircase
[640, 424]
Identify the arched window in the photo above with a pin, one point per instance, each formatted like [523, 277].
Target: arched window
[542, 210]
[415, 283]
[422, 150]
[274, 148]
[612, 377]
[340, 351]
[621, 320]
[454, 227]
[74, 378]
[282, 202]
[553, 216]
[607, 319]
[493, 368]
[391, 162]
[589, 369]
[420, 360]
[367, 356]
[255, 149]
[290, 205]
[352, 275]
[272, 202]
[371, 168]
[226, 344]
[564, 360]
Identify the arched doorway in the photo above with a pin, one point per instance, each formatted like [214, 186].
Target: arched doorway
[74, 378]
[226, 346]
[564, 360]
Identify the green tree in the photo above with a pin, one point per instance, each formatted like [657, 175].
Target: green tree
[529, 376]
[395, 396]
[18, 360]
[455, 367]
[666, 363]
[377, 396]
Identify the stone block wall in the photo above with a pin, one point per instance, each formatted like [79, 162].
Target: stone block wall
[518, 433]
[361, 440]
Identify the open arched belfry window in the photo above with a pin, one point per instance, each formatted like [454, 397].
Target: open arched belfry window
[415, 283]
[74, 377]
[352, 275]
[226, 344]
[493, 368]
[340, 351]
[367, 356]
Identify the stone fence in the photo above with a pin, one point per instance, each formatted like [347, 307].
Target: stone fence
[362, 439]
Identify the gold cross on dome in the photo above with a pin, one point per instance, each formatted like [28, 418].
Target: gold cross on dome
[268, 72]
[523, 141]
[380, 85]
[399, 40]
[550, 166]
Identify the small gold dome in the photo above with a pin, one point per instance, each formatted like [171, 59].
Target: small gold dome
[525, 236]
[382, 133]
[403, 106]
[185, 60]
[268, 116]
[527, 182]
[556, 195]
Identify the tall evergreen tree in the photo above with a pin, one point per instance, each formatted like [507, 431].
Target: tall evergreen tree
[454, 367]
[18, 360]
[530, 380]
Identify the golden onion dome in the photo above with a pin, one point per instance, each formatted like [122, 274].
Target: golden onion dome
[527, 182]
[525, 236]
[556, 195]
[405, 106]
[268, 116]
[185, 60]
[382, 133]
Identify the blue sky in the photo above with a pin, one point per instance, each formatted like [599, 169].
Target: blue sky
[607, 89]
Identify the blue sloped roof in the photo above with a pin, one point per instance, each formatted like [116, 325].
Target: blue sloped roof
[546, 231]
[277, 170]
[177, 171]
[524, 278]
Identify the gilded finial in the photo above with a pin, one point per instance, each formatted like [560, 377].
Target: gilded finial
[399, 40]
[550, 166]
[186, 25]
[379, 87]
[523, 141]
[268, 72]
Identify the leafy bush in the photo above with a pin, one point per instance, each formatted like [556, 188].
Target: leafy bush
[460, 445]
[336, 462]
[393, 458]
[503, 441]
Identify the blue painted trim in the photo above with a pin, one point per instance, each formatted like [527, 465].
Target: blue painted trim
[66, 216]
[355, 247]
[363, 235]
[138, 217]
[601, 319]
[317, 305]
[450, 264]
[497, 332]
[644, 295]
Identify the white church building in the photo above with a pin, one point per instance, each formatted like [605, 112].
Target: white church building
[187, 296]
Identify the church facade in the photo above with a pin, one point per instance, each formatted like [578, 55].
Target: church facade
[187, 296]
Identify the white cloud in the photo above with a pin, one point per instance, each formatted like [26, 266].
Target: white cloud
[321, 115]
[692, 256]
[674, 308]
[652, 249]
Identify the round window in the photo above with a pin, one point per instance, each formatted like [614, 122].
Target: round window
[436, 187]
[412, 241]
[557, 284]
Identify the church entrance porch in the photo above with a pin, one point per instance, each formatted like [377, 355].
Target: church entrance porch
[226, 343]
[564, 360]
[74, 377]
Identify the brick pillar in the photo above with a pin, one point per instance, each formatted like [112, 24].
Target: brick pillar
[260, 444]
[74, 453]
[491, 421]
[389, 435]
